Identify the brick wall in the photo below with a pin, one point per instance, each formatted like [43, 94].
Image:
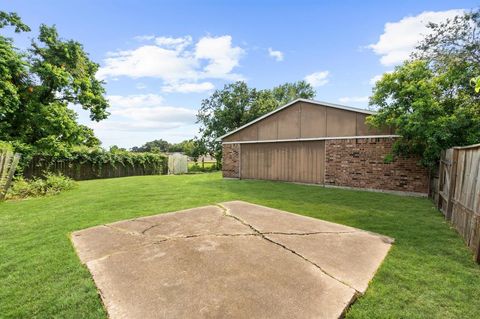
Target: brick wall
[360, 163]
[231, 160]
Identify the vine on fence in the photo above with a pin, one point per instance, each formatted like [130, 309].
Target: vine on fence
[84, 163]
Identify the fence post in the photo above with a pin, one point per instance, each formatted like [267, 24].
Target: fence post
[451, 188]
[477, 253]
[13, 167]
[440, 181]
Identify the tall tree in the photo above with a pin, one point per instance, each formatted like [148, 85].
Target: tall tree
[13, 74]
[153, 146]
[429, 99]
[290, 91]
[38, 86]
[237, 104]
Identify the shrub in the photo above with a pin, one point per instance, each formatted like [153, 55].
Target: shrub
[207, 167]
[51, 184]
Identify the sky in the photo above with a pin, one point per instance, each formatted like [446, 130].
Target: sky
[159, 59]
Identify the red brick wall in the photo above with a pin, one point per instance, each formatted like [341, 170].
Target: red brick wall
[360, 163]
[231, 160]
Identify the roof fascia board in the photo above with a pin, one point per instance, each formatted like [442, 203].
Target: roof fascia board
[326, 138]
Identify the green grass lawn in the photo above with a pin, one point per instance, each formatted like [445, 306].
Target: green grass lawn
[429, 273]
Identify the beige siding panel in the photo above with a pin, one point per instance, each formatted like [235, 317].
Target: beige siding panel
[364, 129]
[289, 122]
[267, 129]
[231, 138]
[307, 120]
[291, 161]
[248, 134]
[341, 122]
[312, 120]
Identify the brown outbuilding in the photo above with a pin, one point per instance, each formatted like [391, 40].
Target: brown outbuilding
[322, 143]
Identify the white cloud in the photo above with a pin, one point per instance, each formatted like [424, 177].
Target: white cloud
[141, 38]
[400, 38]
[149, 61]
[126, 126]
[136, 100]
[176, 60]
[177, 44]
[159, 114]
[277, 55]
[353, 99]
[140, 86]
[137, 119]
[143, 112]
[188, 87]
[318, 78]
[221, 55]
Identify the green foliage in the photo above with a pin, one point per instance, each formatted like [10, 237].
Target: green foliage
[237, 104]
[476, 84]
[429, 100]
[6, 146]
[155, 146]
[37, 86]
[198, 149]
[192, 148]
[389, 158]
[290, 91]
[185, 147]
[98, 157]
[202, 167]
[51, 184]
[12, 19]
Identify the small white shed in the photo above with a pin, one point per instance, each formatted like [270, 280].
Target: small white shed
[177, 163]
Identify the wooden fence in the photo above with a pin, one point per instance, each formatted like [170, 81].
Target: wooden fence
[81, 170]
[458, 192]
[8, 165]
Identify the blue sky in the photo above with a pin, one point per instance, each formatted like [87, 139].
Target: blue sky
[160, 59]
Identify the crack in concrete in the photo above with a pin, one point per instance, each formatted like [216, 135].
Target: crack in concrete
[152, 240]
[164, 237]
[255, 231]
[148, 228]
[227, 213]
[124, 231]
[309, 233]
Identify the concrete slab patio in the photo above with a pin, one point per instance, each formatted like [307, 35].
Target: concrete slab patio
[234, 259]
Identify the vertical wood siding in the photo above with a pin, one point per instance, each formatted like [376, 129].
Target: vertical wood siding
[290, 161]
[306, 120]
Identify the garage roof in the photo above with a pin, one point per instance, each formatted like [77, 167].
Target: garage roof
[337, 106]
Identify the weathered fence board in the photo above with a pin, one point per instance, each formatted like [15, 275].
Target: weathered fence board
[8, 165]
[81, 170]
[458, 193]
